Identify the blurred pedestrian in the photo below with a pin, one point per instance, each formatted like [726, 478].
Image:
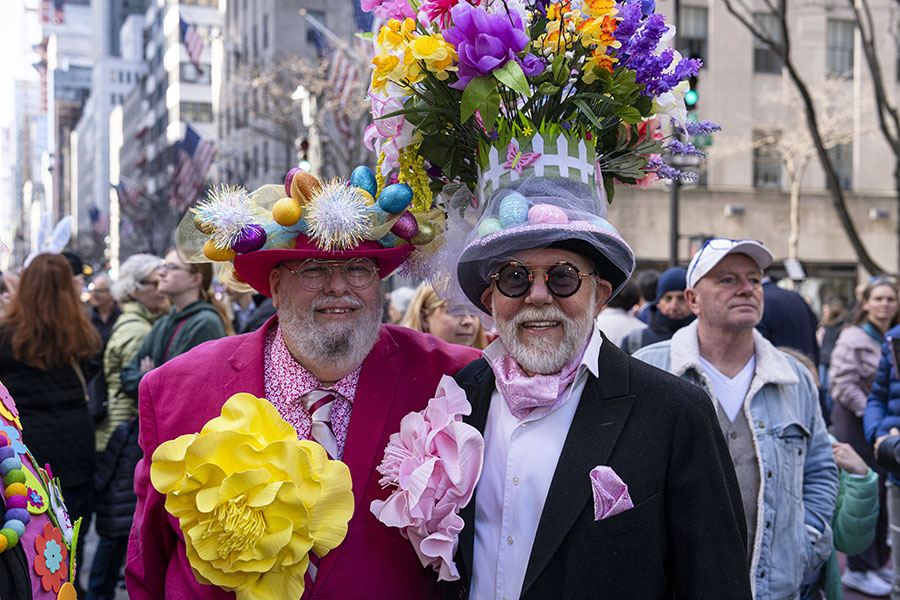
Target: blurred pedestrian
[768, 409]
[195, 317]
[854, 362]
[104, 309]
[142, 303]
[398, 302]
[788, 320]
[428, 313]
[46, 343]
[616, 320]
[645, 280]
[668, 313]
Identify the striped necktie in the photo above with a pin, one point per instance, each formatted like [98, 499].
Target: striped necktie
[318, 405]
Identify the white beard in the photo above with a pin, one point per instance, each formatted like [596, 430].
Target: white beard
[545, 356]
[342, 345]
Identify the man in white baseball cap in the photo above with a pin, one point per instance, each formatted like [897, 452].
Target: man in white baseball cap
[768, 409]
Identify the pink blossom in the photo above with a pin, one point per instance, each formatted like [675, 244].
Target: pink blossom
[389, 9]
[434, 463]
[394, 132]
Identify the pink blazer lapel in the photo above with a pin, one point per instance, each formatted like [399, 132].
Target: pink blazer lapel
[364, 450]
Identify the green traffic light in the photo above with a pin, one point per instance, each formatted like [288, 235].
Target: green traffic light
[690, 98]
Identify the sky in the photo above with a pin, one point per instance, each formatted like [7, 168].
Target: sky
[17, 34]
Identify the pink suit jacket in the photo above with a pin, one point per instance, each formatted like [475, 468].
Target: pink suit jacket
[399, 375]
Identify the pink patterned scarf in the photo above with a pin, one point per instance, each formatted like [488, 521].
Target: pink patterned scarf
[522, 393]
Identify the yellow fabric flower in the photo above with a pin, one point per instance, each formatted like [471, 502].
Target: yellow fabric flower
[597, 60]
[396, 35]
[562, 23]
[252, 500]
[599, 32]
[437, 54]
[599, 8]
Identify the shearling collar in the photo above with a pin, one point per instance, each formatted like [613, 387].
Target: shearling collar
[772, 366]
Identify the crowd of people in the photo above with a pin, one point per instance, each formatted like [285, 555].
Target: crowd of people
[812, 438]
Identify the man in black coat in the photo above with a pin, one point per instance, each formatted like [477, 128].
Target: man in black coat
[603, 477]
[788, 321]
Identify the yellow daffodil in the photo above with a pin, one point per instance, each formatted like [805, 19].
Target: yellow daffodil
[396, 35]
[252, 501]
[437, 54]
[597, 60]
[600, 32]
[599, 8]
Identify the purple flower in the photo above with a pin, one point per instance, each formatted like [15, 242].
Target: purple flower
[493, 135]
[701, 128]
[664, 171]
[677, 147]
[648, 7]
[486, 42]
[630, 14]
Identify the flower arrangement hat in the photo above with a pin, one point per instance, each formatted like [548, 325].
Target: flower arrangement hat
[250, 233]
[526, 113]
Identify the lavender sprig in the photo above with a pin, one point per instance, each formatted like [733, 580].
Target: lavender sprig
[676, 146]
[701, 128]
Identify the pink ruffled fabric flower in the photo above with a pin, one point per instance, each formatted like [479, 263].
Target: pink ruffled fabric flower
[434, 461]
[389, 9]
[396, 132]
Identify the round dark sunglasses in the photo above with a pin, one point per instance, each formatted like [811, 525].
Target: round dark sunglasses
[562, 279]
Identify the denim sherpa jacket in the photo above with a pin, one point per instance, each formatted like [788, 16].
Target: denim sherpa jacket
[798, 477]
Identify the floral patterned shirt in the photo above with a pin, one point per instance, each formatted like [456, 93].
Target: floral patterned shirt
[287, 381]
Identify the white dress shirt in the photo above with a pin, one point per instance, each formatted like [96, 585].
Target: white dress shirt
[519, 461]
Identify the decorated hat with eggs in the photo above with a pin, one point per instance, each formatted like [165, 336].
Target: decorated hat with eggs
[552, 203]
[250, 233]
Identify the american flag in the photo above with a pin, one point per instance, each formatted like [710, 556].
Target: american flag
[193, 41]
[129, 195]
[193, 157]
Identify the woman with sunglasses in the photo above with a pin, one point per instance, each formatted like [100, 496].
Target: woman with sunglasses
[141, 303]
[196, 317]
[854, 362]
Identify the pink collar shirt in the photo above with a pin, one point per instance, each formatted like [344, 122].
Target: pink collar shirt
[287, 381]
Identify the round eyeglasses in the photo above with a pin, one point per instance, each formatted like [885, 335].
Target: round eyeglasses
[314, 274]
[562, 279]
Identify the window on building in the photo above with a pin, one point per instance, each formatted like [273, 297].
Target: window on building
[765, 59]
[694, 32]
[200, 112]
[189, 73]
[265, 31]
[766, 159]
[319, 16]
[839, 48]
[255, 36]
[842, 158]
[265, 157]
[256, 161]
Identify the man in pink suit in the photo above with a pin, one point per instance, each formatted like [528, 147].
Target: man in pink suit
[326, 335]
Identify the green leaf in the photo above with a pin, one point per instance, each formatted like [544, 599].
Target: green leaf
[630, 115]
[368, 36]
[586, 111]
[609, 186]
[548, 88]
[512, 76]
[490, 109]
[476, 92]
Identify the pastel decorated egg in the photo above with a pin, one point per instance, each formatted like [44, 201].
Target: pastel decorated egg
[547, 214]
[489, 226]
[288, 179]
[213, 252]
[425, 235]
[368, 199]
[303, 186]
[204, 227]
[252, 237]
[513, 210]
[363, 178]
[395, 198]
[287, 211]
[406, 226]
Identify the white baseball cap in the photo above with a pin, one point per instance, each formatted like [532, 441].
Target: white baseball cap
[716, 249]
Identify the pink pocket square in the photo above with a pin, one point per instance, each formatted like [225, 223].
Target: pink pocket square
[610, 493]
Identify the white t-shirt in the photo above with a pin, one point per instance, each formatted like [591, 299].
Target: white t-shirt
[730, 391]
